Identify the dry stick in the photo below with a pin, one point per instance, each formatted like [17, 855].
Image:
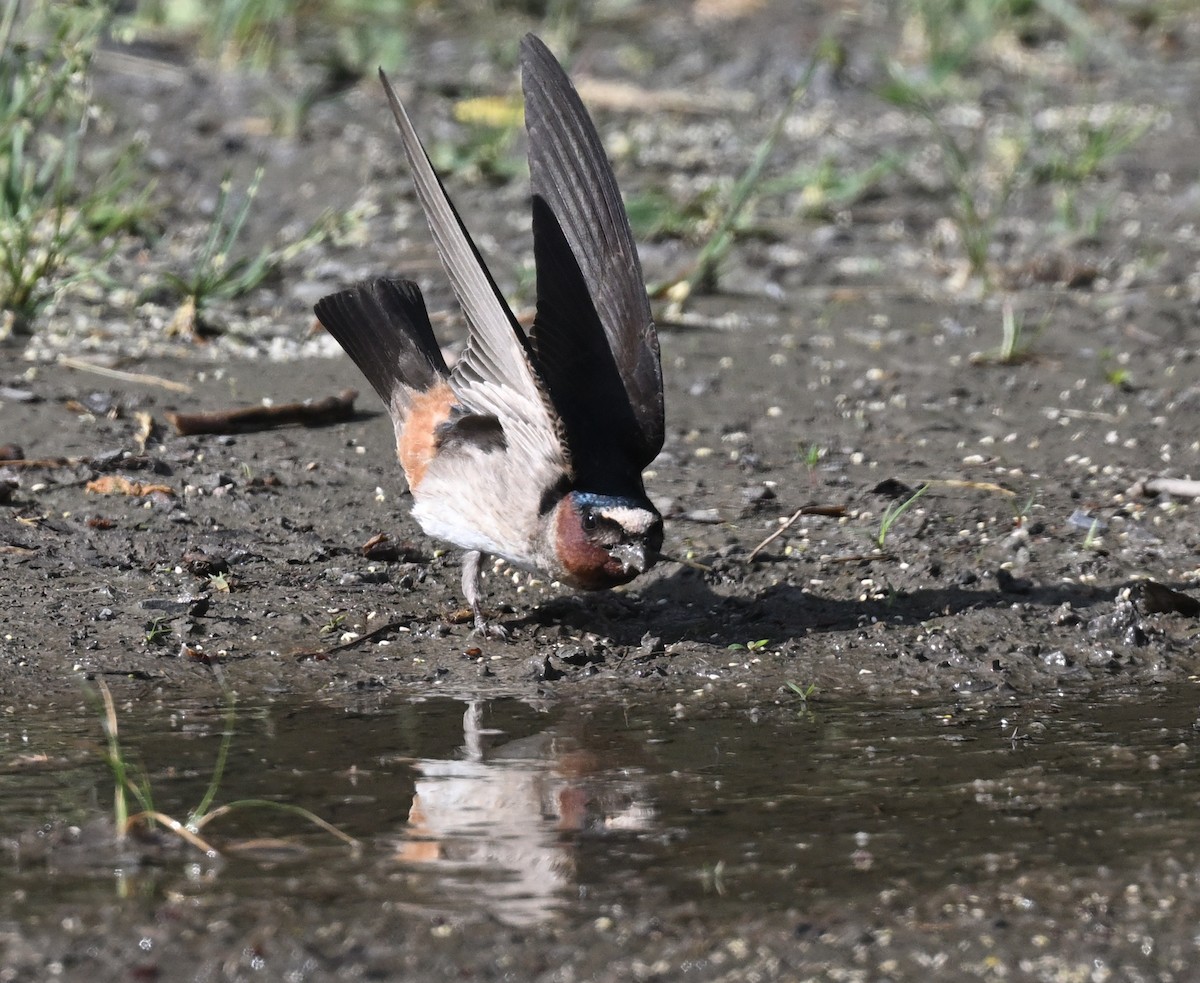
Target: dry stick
[626, 97]
[138, 377]
[373, 634]
[333, 409]
[312, 817]
[176, 827]
[835, 511]
[1180, 487]
[987, 486]
[45, 462]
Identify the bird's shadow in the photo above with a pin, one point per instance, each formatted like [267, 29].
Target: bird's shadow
[685, 606]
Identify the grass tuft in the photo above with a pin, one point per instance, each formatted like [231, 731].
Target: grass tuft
[204, 812]
[58, 211]
[217, 273]
[893, 512]
[720, 241]
[949, 50]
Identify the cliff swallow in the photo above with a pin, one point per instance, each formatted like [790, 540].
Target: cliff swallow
[532, 447]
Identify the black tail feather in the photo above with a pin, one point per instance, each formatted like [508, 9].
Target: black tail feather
[384, 327]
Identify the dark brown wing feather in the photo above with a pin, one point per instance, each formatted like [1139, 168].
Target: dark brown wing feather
[582, 208]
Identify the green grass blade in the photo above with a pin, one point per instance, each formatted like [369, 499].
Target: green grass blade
[196, 819]
[719, 243]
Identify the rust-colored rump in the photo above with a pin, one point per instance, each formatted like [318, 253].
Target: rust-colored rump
[417, 445]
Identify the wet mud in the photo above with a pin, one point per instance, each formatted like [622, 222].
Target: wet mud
[1021, 569]
[1023, 639]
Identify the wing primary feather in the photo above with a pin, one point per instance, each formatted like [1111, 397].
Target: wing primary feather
[497, 350]
[383, 326]
[571, 173]
[579, 369]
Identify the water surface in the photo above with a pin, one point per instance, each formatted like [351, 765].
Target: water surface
[533, 813]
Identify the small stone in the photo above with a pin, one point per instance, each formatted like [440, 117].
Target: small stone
[1012, 585]
[650, 644]
[757, 494]
[187, 604]
[544, 670]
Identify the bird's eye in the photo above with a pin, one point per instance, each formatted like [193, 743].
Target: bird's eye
[589, 521]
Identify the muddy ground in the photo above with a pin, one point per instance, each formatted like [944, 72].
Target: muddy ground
[836, 367]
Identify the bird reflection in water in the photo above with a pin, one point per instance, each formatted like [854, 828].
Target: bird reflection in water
[503, 820]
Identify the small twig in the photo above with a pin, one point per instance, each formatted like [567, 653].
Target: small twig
[140, 378]
[692, 564]
[375, 633]
[624, 97]
[45, 462]
[176, 827]
[834, 511]
[295, 810]
[987, 486]
[333, 409]
[1179, 487]
[680, 320]
[862, 557]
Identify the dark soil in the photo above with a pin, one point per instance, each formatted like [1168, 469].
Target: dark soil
[835, 366]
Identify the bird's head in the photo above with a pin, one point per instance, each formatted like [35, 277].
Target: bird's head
[603, 541]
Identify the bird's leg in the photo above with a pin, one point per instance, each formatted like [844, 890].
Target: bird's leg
[471, 569]
[473, 731]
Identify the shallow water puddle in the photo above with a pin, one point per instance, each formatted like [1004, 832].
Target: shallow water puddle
[533, 811]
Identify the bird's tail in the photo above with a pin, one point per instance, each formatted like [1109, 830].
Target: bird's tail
[384, 327]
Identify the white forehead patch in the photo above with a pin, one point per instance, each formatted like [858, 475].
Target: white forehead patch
[635, 521]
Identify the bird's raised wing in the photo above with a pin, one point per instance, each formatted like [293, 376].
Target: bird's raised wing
[495, 375]
[594, 338]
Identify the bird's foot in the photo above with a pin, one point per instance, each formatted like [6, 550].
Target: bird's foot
[489, 629]
[472, 560]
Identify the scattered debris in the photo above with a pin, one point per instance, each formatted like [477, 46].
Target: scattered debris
[201, 564]
[1012, 585]
[1121, 623]
[893, 488]
[46, 462]
[186, 605]
[11, 394]
[112, 484]
[320, 655]
[756, 496]
[627, 97]
[145, 430]
[1079, 519]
